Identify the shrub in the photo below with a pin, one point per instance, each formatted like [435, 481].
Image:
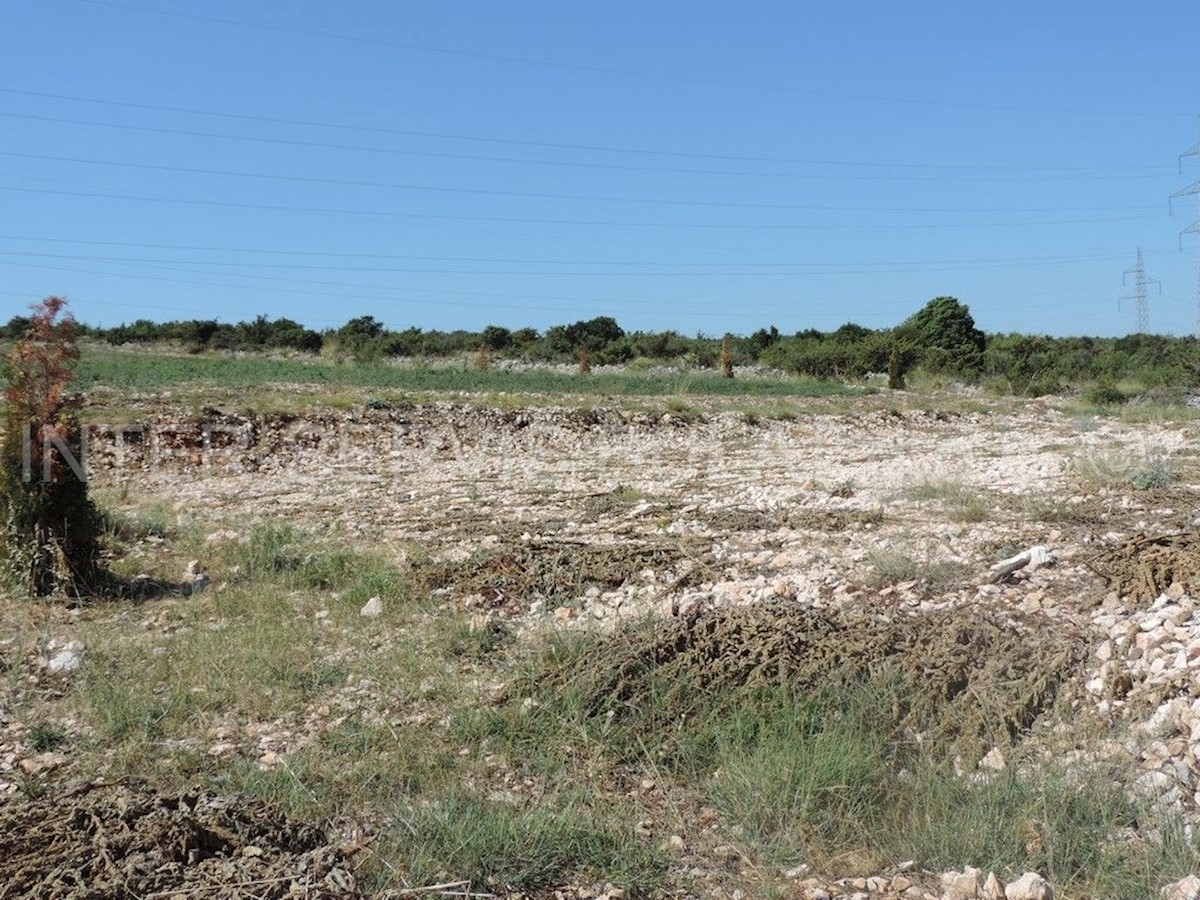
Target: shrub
[1105, 395]
[726, 359]
[945, 331]
[51, 529]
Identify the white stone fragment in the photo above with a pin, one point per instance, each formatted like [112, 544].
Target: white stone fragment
[1185, 889]
[68, 660]
[1030, 886]
[964, 885]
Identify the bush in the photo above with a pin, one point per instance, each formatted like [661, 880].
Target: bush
[945, 332]
[51, 529]
[1105, 395]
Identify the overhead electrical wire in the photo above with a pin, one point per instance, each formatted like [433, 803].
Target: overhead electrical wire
[356, 148]
[551, 221]
[590, 198]
[703, 269]
[600, 148]
[608, 70]
[610, 303]
[763, 268]
[210, 248]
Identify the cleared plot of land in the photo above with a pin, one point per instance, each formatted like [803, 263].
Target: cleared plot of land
[670, 648]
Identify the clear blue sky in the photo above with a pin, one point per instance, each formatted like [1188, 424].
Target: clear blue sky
[693, 165]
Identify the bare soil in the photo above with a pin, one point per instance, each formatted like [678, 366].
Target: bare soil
[769, 550]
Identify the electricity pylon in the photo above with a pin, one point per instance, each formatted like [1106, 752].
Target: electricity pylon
[1138, 295]
[1194, 228]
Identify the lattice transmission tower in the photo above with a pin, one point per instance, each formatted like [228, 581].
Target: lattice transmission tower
[1141, 303]
[1194, 228]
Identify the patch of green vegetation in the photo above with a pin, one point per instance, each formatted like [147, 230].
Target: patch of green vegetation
[498, 845]
[277, 552]
[478, 641]
[888, 567]
[45, 736]
[1060, 511]
[158, 371]
[824, 775]
[625, 494]
[1150, 470]
[1154, 472]
[681, 409]
[1104, 395]
[963, 502]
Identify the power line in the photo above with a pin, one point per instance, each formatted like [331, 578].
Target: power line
[349, 182]
[613, 304]
[768, 269]
[228, 204]
[358, 148]
[606, 70]
[558, 145]
[1194, 228]
[210, 248]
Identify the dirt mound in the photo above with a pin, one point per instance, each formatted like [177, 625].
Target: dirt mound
[558, 571]
[797, 519]
[1142, 567]
[971, 679]
[119, 840]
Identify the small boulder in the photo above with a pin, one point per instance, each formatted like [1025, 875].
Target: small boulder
[42, 764]
[962, 885]
[1184, 889]
[993, 760]
[67, 660]
[372, 609]
[1030, 886]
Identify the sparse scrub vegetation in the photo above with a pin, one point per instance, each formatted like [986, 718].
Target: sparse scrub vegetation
[1060, 511]
[897, 566]
[937, 345]
[963, 502]
[828, 775]
[1150, 470]
[120, 370]
[500, 728]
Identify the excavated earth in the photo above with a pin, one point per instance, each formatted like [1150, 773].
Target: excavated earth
[101, 841]
[767, 548]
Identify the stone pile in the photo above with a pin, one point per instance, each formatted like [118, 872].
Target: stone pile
[1146, 670]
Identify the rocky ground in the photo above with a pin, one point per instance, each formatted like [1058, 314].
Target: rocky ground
[1045, 521]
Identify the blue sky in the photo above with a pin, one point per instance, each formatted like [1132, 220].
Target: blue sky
[702, 166]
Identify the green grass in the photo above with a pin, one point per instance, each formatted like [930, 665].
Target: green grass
[963, 502]
[157, 371]
[501, 846]
[1148, 470]
[889, 567]
[277, 553]
[826, 777]
[481, 769]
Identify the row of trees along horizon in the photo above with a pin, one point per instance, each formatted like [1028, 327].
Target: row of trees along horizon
[940, 339]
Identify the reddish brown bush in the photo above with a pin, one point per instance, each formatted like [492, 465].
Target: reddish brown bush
[51, 529]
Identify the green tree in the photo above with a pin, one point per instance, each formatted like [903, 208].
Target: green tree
[363, 338]
[360, 328]
[592, 334]
[15, 327]
[497, 337]
[945, 338]
[764, 338]
[851, 333]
